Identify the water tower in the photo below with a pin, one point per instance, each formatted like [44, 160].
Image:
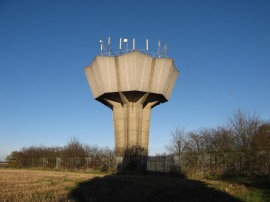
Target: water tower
[131, 83]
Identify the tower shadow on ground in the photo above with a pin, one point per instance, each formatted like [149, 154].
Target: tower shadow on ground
[154, 187]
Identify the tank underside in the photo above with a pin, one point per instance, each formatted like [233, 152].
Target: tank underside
[131, 96]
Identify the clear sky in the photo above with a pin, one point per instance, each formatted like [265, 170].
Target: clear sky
[220, 47]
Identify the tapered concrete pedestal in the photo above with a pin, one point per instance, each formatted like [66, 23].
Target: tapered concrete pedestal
[131, 85]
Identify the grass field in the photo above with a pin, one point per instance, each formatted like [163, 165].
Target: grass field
[30, 185]
[246, 189]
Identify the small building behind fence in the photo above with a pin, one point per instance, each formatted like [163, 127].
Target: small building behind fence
[162, 163]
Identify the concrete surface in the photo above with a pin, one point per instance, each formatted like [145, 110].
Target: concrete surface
[131, 85]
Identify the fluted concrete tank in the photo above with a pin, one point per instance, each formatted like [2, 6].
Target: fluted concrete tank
[131, 85]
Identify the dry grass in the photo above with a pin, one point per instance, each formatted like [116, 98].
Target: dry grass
[29, 185]
[243, 188]
[3, 165]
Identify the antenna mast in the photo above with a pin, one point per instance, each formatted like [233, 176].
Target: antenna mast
[126, 42]
[165, 50]
[159, 48]
[133, 44]
[109, 45]
[101, 47]
[120, 44]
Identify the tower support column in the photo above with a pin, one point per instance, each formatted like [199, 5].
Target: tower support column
[131, 122]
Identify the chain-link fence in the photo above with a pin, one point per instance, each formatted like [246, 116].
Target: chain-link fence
[153, 163]
[72, 163]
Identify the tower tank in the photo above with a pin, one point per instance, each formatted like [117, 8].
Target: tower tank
[131, 83]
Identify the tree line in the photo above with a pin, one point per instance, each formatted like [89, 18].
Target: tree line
[74, 155]
[239, 148]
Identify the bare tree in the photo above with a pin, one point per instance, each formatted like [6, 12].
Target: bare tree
[177, 145]
[261, 150]
[244, 127]
[178, 142]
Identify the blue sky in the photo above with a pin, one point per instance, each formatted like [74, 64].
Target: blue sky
[220, 47]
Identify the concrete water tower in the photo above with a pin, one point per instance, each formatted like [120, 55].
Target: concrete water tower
[131, 83]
